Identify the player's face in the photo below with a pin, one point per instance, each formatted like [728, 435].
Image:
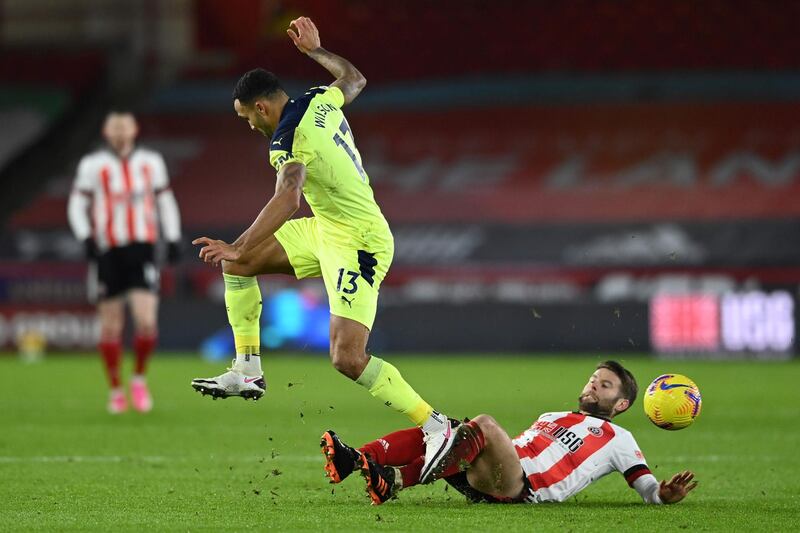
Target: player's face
[255, 115]
[602, 395]
[120, 130]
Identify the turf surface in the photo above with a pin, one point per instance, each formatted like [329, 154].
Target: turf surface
[195, 464]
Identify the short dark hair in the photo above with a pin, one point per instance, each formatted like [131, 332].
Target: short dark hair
[254, 84]
[629, 387]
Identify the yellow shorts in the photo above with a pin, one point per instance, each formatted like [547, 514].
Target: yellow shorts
[352, 277]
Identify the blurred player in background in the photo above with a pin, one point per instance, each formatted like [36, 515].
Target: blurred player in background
[119, 196]
[557, 457]
[347, 242]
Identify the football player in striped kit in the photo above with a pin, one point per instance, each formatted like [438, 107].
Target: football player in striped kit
[558, 456]
[120, 197]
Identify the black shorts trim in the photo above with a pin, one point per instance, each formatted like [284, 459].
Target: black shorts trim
[460, 483]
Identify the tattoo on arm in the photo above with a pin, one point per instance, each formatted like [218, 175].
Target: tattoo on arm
[291, 177]
[348, 79]
[279, 209]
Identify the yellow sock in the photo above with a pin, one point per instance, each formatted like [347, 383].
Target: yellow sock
[243, 302]
[385, 383]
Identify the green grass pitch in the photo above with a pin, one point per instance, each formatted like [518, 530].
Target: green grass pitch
[197, 464]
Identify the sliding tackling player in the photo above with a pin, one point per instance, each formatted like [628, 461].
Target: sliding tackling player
[557, 457]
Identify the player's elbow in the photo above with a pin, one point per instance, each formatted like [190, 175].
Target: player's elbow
[352, 85]
[360, 82]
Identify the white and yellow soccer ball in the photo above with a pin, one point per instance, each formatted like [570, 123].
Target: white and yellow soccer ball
[672, 401]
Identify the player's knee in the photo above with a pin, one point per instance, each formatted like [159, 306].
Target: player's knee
[487, 424]
[147, 328]
[344, 366]
[110, 327]
[110, 333]
[144, 318]
[238, 269]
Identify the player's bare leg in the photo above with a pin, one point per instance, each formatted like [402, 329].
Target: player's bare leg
[111, 314]
[348, 346]
[348, 355]
[496, 470]
[144, 310]
[243, 302]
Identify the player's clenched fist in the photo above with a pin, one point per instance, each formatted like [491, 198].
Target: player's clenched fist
[215, 251]
[306, 39]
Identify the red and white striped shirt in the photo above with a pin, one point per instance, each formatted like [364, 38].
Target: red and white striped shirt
[120, 201]
[562, 453]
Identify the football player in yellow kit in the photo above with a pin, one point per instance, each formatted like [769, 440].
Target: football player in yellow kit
[347, 242]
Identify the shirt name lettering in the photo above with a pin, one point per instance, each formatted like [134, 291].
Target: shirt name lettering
[320, 114]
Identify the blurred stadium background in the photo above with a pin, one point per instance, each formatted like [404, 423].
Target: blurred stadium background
[560, 176]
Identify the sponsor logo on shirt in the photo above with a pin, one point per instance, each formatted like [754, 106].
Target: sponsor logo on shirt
[560, 435]
[281, 160]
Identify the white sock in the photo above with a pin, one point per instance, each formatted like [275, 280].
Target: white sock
[248, 364]
[435, 422]
[398, 480]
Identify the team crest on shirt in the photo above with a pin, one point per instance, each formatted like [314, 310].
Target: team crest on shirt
[596, 431]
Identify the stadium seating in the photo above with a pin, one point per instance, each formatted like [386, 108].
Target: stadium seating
[449, 38]
[604, 163]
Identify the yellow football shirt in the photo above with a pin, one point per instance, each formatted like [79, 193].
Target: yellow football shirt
[313, 131]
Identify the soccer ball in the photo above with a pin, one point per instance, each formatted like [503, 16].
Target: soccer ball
[672, 401]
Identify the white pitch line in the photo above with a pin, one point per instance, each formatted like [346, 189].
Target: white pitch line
[718, 458]
[9, 459]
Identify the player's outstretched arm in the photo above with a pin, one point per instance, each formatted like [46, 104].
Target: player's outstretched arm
[677, 488]
[282, 205]
[348, 79]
